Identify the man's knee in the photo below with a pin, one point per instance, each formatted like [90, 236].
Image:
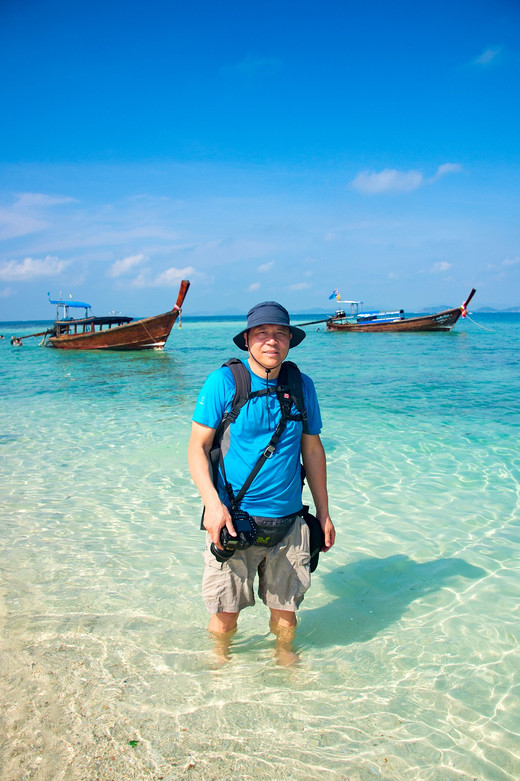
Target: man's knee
[223, 622]
[283, 618]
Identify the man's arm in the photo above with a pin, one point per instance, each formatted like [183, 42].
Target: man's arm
[216, 514]
[313, 456]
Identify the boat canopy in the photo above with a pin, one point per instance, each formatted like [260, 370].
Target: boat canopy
[64, 306]
[381, 314]
[78, 304]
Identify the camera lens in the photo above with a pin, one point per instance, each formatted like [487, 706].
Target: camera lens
[221, 555]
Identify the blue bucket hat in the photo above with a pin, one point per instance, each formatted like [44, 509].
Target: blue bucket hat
[269, 313]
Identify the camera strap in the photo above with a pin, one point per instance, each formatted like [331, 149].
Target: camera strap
[289, 391]
[268, 453]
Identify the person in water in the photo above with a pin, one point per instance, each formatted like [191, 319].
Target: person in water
[274, 498]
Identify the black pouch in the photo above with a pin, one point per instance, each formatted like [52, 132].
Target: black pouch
[271, 531]
[317, 537]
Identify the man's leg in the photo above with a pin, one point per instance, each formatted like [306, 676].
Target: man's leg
[283, 625]
[222, 627]
[283, 582]
[221, 623]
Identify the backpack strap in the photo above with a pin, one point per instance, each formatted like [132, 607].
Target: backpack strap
[289, 391]
[268, 453]
[242, 380]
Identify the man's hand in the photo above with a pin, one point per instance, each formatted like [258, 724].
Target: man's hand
[216, 514]
[215, 518]
[330, 533]
[316, 470]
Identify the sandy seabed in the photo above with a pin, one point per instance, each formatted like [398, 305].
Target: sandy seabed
[47, 734]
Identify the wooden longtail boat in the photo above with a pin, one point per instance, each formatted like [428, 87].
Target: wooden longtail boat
[110, 332]
[392, 321]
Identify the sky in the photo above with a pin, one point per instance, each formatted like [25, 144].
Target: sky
[263, 150]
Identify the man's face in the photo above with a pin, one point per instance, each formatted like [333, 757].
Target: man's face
[268, 344]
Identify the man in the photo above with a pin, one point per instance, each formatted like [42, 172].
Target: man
[274, 496]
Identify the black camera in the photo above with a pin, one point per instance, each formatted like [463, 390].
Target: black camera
[245, 535]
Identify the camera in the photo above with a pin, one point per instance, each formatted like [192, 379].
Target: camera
[245, 535]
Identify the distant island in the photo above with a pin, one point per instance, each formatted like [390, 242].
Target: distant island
[481, 310]
[491, 310]
[235, 312]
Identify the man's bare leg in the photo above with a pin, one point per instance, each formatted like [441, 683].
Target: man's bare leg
[222, 627]
[283, 625]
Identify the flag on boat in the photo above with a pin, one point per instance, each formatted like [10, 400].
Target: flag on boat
[335, 294]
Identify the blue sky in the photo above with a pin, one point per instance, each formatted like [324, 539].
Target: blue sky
[262, 150]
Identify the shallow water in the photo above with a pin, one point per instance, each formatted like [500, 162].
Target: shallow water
[408, 640]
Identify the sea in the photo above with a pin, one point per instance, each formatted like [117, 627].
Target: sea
[408, 658]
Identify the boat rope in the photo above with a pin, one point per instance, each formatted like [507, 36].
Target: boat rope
[179, 317]
[478, 324]
[153, 339]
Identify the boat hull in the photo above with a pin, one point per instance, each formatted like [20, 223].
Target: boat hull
[149, 333]
[442, 321]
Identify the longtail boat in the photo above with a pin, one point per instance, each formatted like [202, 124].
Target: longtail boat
[108, 332]
[391, 321]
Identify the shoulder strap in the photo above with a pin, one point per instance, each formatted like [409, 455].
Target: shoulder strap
[242, 380]
[290, 391]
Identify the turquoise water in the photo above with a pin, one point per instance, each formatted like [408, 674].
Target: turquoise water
[408, 640]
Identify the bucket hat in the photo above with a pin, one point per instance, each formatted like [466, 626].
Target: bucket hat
[269, 313]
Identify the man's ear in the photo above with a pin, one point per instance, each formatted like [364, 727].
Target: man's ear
[245, 339]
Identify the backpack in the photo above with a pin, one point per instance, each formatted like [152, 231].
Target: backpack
[289, 390]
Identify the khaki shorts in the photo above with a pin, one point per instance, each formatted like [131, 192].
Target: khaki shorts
[284, 574]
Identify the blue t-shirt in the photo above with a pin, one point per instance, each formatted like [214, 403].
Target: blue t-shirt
[276, 490]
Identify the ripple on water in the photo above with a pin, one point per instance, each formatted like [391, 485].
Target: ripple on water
[408, 640]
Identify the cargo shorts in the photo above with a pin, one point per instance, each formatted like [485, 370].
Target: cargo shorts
[283, 574]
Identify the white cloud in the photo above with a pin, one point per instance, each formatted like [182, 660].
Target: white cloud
[300, 286]
[125, 265]
[266, 267]
[7, 292]
[29, 268]
[14, 225]
[511, 262]
[251, 66]
[171, 277]
[389, 180]
[446, 168]
[392, 180]
[254, 286]
[41, 200]
[488, 56]
[27, 214]
[439, 268]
